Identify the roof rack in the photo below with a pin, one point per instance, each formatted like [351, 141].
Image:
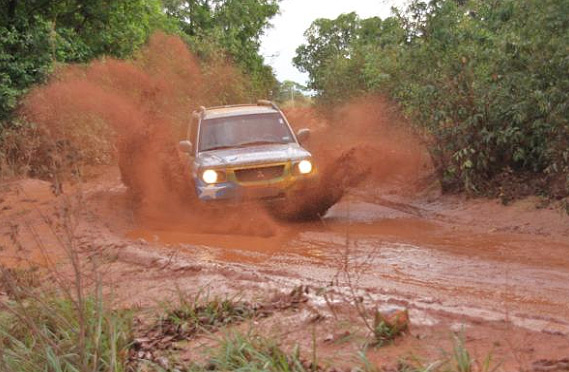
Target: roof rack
[262, 102]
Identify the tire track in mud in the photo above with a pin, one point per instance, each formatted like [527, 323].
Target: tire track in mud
[428, 297]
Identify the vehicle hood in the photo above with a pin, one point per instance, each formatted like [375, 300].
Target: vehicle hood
[252, 155]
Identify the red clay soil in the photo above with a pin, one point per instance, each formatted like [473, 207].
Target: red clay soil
[458, 266]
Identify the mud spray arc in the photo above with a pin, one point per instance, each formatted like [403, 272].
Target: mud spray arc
[134, 112]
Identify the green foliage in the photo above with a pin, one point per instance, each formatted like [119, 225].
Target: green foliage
[25, 59]
[207, 313]
[386, 330]
[253, 353]
[35, 35]
[83, 30]
[328, 40]
[336, 54]
[460, 356]
[43, 334]
[461, 360]
[329, 56]
[487, 80]
[232, 27]
[494, 102]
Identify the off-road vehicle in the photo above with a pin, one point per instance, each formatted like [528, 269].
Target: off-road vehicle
[247, 152]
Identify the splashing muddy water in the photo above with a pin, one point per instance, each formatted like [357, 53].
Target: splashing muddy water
[136, 111]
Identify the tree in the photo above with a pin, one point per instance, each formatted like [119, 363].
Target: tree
[336, 53]
[486, 80]
[327, 40]
[291, 92]
[25, 59]
[36, 34]
[231, 26]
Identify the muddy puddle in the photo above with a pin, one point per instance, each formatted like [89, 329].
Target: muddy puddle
[463, 270]
[450, 274]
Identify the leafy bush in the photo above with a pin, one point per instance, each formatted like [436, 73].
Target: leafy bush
[485, 80]
[25, 59]
[493, 96]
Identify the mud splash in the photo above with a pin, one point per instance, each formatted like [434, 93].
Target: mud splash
[136, 111]
[137, 107]
[365, 140]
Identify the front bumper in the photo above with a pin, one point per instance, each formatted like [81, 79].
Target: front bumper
[235, 191]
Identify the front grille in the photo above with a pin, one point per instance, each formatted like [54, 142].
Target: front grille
[259, 174]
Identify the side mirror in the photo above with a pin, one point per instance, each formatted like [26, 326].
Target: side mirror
[303, 134]
[185, 146]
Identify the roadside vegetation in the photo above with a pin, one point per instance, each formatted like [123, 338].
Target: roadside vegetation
[39, 39]
[37, 36]
[48, 330]
[485, 82]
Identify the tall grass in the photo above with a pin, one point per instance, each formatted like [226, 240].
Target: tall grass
[48, 332]
[63, 324]
[252, 353]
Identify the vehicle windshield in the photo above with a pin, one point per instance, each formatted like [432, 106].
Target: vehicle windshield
[243, 130]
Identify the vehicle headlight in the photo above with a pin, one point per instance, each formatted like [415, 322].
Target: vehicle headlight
[305, 167]
[210, 176]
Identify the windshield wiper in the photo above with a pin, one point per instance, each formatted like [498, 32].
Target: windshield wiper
[219, 148]
[256, 143]
[243, 144]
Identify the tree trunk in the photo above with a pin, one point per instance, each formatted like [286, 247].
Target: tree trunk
[12, 10]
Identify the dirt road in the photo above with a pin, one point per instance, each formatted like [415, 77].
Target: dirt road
[500, 273]
[413, 254]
